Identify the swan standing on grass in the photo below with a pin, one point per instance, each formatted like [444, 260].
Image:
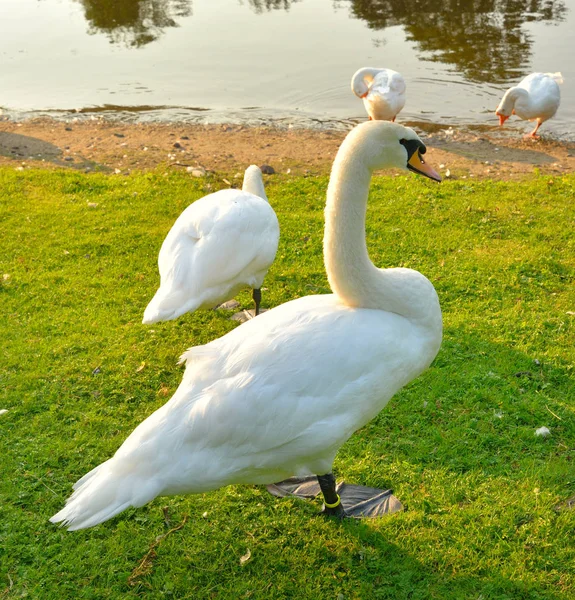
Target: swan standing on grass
[220, 244]
[535, 98]
[382, 91]
[278, 395]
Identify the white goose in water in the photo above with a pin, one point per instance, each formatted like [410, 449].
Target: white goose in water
[220, 244]
[535, 98]
[382, 91]
[278, 395]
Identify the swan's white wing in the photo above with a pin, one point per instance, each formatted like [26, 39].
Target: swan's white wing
[543, 97]
[396, 83]
[278, 394]
[219, 244]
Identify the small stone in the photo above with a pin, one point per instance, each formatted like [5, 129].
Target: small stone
[96, 371]
[448, 173]
[184, 137]
[267, 170]
[196, 171]
[68, 128]
[177, 145]
[229, 305]
[68, 158]
[242, 316]
[120, 135]
[542, 432]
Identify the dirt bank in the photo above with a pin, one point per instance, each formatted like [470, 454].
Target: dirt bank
[121, 148]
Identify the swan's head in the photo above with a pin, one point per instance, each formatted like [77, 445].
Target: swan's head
[253, 182]
[253, 171]
[384, 145]
[507, 105]
[503, 112]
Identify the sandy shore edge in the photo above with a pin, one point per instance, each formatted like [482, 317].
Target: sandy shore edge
[120, 148]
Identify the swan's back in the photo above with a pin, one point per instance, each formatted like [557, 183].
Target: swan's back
[544, 96]
[386, 96]
[218, 245]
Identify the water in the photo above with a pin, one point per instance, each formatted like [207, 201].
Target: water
[285, 61]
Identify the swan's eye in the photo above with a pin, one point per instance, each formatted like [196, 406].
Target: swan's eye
[413, 146]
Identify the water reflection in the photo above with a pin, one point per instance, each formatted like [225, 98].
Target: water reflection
[260, 6]
[483, 39]
[134, 23]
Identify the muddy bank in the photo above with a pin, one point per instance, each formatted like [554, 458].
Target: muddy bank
[121, 148]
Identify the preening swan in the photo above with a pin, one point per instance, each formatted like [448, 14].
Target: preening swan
[535, 98]
[382, 91]
[277, 396]
[220, 244]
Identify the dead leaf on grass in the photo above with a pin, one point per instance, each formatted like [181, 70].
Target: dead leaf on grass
[146, 565]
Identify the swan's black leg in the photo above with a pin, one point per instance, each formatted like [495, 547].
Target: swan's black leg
[257, 296]
[332, 502]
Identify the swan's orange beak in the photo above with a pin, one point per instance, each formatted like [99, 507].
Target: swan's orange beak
[418, 165]
[502, 118]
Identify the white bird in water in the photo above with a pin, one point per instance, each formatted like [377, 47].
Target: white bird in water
[382, 91]
[535, 98]
[277, 396]
[220, 244]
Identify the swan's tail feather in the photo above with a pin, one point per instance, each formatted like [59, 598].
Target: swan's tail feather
[167, 306]
[102, 494]
[558, 77]
[196, 354]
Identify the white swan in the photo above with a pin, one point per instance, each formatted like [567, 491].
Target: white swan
[382, 91]
[280, 394]
[535, 98]
[220, 244]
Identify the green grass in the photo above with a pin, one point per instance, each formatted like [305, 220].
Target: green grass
[78, 371]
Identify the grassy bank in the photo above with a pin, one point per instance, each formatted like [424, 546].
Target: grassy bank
[78, 371]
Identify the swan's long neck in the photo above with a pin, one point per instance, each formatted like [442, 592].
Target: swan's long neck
[362, 79]
[352, 276]
[253, 182]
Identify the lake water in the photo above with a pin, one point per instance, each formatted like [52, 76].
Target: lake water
[288, 61]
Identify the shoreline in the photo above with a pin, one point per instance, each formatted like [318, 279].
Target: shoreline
[119, 147]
